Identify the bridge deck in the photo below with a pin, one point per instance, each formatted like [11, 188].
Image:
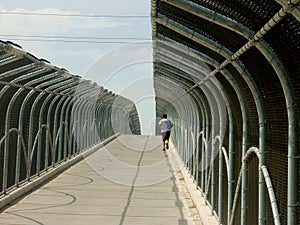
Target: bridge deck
[129, 181]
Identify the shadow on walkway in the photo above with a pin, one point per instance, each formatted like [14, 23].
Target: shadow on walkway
[128, 181]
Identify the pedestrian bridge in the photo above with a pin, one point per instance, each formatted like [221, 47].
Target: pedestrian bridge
[129, 180]
[226, 73]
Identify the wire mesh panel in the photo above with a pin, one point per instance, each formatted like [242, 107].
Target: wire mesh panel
[247, 52]
[48, 115]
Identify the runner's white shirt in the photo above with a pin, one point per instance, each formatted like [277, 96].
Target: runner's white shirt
[165, 125]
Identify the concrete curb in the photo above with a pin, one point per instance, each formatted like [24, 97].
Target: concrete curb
[204, 211]
[25, 188]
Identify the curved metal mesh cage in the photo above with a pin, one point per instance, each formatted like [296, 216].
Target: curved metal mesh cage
[237, 112]
[48, 116]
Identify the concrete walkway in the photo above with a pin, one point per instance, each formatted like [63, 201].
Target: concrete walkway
[129, 181]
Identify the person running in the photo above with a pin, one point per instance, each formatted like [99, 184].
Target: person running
[165, 128]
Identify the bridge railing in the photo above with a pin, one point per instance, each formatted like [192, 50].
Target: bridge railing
[48, 116]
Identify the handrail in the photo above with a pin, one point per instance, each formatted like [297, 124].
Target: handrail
[223, 150]
[276, 215]
[36, 141]
[40, 103]
[24, 152]
[246, 157]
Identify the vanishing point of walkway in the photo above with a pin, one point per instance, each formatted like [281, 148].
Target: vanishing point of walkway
[128, 181]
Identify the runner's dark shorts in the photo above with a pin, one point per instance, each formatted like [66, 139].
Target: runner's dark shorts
[165, 135]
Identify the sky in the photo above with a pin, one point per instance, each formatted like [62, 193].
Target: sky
[108, 42]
